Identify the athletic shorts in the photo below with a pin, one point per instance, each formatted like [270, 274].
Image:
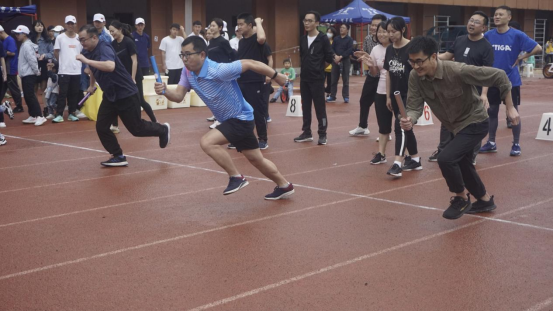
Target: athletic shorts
[494, 96]
[240, 134]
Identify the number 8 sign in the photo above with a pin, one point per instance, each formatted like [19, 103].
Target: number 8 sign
[426, 118]
[294, 107]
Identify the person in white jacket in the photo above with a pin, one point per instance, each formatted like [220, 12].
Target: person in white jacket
[29, 71]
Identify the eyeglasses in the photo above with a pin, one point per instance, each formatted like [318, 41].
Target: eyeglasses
[83, 40]
[187, 55]
[475, 22]
[418, 62]
[308, 21]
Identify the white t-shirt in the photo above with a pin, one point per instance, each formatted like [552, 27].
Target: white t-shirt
[68, 48]
[234, 43]
[379, 53]
[310, 40]
[172, 48]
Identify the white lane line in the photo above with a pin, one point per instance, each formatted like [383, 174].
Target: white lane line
[542, 305]
[351, 261]
[47, 163]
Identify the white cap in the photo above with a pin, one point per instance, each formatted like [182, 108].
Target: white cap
[70, 19]
[139, 20]
[58, 28]
[99, 18]
[225, 26]
[21, 29]
[1, 29]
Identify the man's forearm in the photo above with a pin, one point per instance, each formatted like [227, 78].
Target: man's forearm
[485, 90]
[509, 100]
[257, 67]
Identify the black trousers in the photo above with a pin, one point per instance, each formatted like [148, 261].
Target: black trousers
[549, 58]
[446, 137]
[328, 76]
[143, 103]
[313, 93]
[368, 95]
[456, 160]
[128, 109]
[404, 139]
[254, 94]
[145, 71]
[174, 76]
[11, 84]
[69, 92]
[337, 69]
[28, 84]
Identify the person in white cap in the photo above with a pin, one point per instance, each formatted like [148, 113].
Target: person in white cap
[234, 41]
[142, 42]
[28, 71]
[66, 49]
[10, 48]
[225, 31]
[100, 24]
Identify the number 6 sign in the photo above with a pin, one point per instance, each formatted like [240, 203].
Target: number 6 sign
[426, 118]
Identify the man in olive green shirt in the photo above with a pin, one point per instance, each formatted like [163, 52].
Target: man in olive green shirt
[449, 88]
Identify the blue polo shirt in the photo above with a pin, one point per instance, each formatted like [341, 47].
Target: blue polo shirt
[117, 84]
[217, 87]
[104, 36]
[142, 45]
[11, 61]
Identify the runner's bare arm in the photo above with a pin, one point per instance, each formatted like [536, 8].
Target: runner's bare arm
[173, 95]
[262, 69]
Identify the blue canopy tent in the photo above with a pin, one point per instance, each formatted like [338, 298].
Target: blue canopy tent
[6, 11]
[357, 12]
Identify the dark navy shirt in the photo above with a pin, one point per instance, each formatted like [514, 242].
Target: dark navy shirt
[343, 46]
[142, 45]
[116, 85]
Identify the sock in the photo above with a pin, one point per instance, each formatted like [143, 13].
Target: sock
[238, 176]
[398, 163]
[418, 159]
[492, 142]
[287, 184]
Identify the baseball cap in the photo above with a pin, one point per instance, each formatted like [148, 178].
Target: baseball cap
[225, 26]
[58, 28]
[21, 29]
[139, 20]
[99, 18]
[70, 19]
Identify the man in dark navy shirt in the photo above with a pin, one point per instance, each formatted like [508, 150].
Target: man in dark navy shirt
[120, 96]
[343, 47]
[142, 41]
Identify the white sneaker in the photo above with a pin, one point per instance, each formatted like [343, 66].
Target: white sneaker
[114, 129]
[211, 119]
[389, 138]
[3, 141]
[40, 121]
[50, 117]
[215, 124]
[30, 120]
[2, 124]
[80, 115]
[359, 131]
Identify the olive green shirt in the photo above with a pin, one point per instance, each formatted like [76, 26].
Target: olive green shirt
[452, 94]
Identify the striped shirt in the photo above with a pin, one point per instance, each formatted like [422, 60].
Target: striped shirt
[217, 87]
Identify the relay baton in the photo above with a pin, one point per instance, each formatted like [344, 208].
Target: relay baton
[400, 104]
[86, 97]
[156, 71]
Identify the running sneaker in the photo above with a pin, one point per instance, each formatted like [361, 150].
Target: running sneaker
[346, 100]
[116, 161]
[304, 137]
[269, 120]
[434, 156]
[406, 160]
[481, 206]
[58, 119]
[50, 117]
[359, 131]
[509, 123]
[457, 207]
[235, 184]
[389, 138]
[3, 140]
[489, 147]
[412, 165]
[331, 99]
[18, 109]
[8, 109]
[40, 121]
[80, 115]
[273, 100]
[114, 129]
[2, 125]
[211, 119]
[395, 170]
[165, 138]
[280, 193]
[72, 117]
[30, 120]
[322, 139]
[215, 124]
[379, 158]
[231, 146]
[263, 145]
[515, 150]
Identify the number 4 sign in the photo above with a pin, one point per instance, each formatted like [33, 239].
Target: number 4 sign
[426, 118]
[544, 131]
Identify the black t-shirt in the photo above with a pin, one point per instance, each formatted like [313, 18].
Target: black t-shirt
[396, 62]
[124, 50]
[249, 48]
[219, 50]
[117, 84]
[476, 53]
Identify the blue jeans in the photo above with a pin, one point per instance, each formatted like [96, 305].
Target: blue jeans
[52, 103]
[290, 90]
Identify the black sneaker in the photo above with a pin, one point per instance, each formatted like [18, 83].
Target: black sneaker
[280, 193]
[379, 158]
[116, 161]
[273, 100]
[412, 165]
[509, 123]
[395, 170]
[235, 184]
[322, 140]
[231, 146]
[166, 137]
[263, 145]
[303, 138]
[434, 156]
[18, 109]
[406, 160]
[458, 206]
[8, 109]
[482, 206]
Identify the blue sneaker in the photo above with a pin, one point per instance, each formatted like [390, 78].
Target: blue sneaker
[235, 184]
[515, 150]
[116, 161]
[263, 145]
[489, 147]
[280, 193]
[330, 99]
[346, 100]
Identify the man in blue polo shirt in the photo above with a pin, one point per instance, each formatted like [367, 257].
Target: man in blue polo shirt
[508, 44]
[10, 48]
[217, 86]
[120, 98]
[142, 42]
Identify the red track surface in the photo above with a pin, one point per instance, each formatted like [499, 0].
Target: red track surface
[160, 235]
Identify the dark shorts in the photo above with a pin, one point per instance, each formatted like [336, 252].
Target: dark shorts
[494, 96]
[240, 134]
